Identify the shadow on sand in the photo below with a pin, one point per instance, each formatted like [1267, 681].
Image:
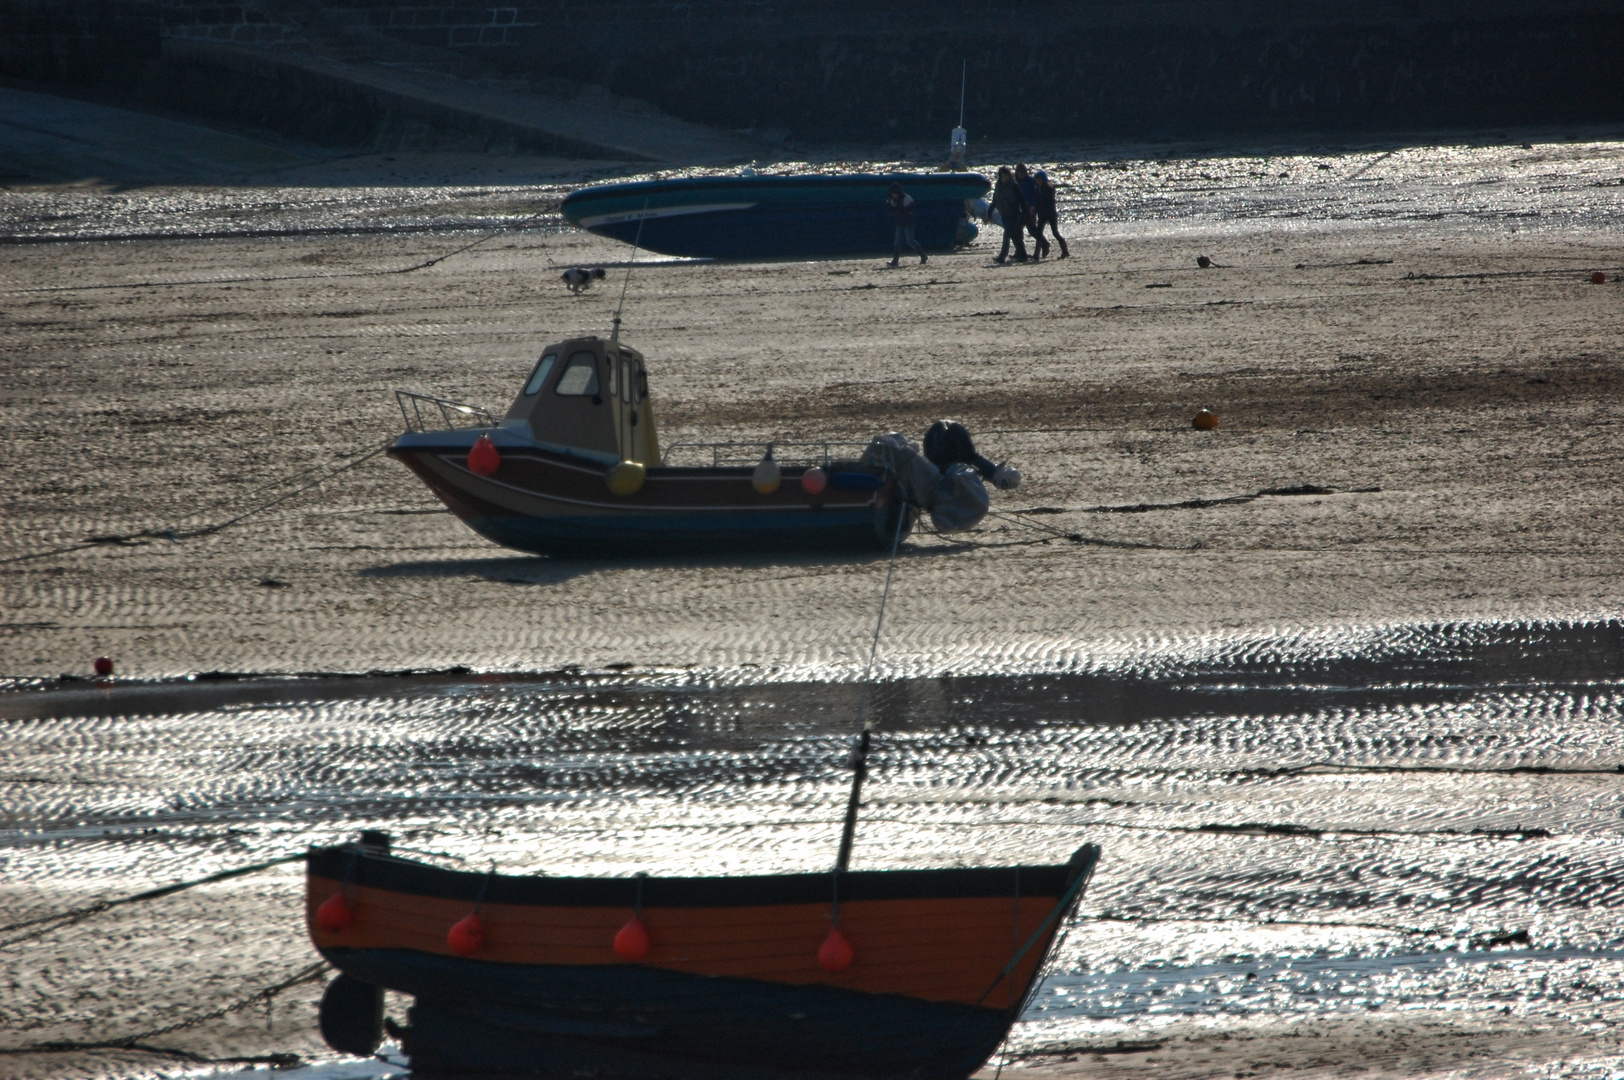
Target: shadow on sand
[547, 570]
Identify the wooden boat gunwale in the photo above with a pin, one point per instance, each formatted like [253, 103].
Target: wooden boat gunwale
[356, 865]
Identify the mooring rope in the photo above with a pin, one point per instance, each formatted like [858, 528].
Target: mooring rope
[175, 533]
[524, 225]
[306, 974]
[1095, 541]
[45, 924]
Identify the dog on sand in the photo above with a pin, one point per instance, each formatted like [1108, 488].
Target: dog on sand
[580, 279]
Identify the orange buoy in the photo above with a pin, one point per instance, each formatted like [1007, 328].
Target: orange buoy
[103, 666]
[467, 935]
[835, 954]
[1598, 278]
[483, 459]
[814, 480]
[1206, 420]
[334, 914]
[632, 943]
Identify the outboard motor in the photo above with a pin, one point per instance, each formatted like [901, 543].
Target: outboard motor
[955, 497]
[948, 443]
[351, 1016]
[961, 500]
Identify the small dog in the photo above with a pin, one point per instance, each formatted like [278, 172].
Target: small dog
[580, 279]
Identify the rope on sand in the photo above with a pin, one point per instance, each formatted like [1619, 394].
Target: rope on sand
[46, 924]
[523, 226]
[177, 534]
[1095, 541]
[307, 974]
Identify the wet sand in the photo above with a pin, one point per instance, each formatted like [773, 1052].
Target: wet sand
[1443, 396]
[1396, 854]
[1454, 394]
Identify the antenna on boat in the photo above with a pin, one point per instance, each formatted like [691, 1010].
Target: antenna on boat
[958, 147]
[964, 81]
[614, 332]
[859, 747]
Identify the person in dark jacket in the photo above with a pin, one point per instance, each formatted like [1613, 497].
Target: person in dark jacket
[901, 205]
[1046, 213]
[1011, 207]
[1029, 192]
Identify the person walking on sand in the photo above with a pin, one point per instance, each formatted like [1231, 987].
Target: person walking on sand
[1010, 205]
[1046, 213]
[901, 205]
[1029, 192]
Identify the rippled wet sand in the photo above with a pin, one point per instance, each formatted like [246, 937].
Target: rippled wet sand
[1422, 825]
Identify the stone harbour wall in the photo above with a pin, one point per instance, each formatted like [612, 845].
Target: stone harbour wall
[246, 23]
[878, 71]
[846, 69]
[81, 41]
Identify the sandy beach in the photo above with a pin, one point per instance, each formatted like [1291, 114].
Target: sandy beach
[1452, 389]
[1421, 423]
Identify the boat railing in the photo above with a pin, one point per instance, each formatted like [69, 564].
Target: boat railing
[453, 414]
[748, 453]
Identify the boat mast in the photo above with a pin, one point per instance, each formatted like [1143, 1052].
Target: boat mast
[628, 433]
[614, 333]
[860, 734]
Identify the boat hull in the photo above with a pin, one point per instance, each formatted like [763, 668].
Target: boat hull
[731, 985]
[552, 502]
[628, 1021]
[767, 217]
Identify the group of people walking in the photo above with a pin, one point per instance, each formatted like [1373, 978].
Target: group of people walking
[1024, 203]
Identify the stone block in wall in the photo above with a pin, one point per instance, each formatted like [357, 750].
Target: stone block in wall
[77, 41]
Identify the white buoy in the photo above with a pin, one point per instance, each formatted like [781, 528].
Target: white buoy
[767, 475]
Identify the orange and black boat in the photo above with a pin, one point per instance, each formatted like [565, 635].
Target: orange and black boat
[912, 974]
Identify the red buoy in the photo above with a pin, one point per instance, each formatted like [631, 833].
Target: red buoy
[466, 936]
[632, 943]
[334, 914]
[483, 460]
[1598, 278]
[103, 666]
[835, 954]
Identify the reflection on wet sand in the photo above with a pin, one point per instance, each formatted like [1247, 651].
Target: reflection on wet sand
[1397, 825]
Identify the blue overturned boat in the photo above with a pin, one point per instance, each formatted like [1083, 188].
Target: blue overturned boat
[804, 215]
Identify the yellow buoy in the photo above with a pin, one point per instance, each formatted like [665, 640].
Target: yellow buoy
[766, 477]
[627, 477]
[1206, 420]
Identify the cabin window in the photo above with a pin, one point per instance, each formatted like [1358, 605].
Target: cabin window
[609, 370]
[642, 384]
[580, 378]
[539, 377]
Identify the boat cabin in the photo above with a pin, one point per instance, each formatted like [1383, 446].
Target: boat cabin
[589, 395]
